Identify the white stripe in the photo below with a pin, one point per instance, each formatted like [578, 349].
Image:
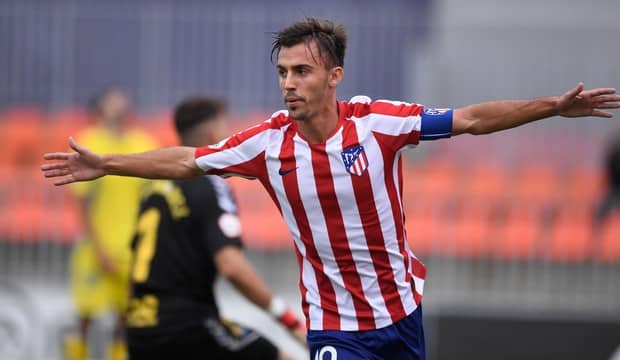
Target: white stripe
[318, 227]
[390, 125]
[376, 172]
[435, 135]
[245, 151]
[354, 229]
[308, 277]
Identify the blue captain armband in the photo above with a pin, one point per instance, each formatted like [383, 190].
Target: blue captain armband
[436, 124]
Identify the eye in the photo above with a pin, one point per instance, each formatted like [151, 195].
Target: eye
[282, 73]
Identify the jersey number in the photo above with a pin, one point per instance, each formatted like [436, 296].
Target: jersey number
[320, 353]
[145, 249]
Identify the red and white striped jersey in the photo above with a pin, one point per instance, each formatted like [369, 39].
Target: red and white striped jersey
[342, 202]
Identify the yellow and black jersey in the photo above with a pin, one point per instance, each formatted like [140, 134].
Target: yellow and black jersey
[181, 226]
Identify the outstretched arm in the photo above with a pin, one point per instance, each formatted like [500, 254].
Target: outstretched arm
[494, 116]
[83, 165]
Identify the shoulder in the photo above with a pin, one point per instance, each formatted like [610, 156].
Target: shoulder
[91, 135]
[362, 105]
[279, 120]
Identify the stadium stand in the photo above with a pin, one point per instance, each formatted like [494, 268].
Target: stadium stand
[480, 210]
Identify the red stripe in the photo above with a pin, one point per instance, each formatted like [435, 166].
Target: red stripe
[385, 108]
[419, 269]
[331, 318]
[367, 208]
[388, 177]
[234, 140]
[337, 236]
[302, 288]
[251, 168]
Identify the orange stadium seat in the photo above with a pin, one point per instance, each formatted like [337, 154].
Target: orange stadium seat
[472, 232]
[22, 221]
[434, 178]
[610, 239]
[584, 186]
[62, 124]
[160, 126]
[424, 231]
[517, 236]
[21, 138]
[428, 225]
[571, 236]
[536, 183]
[487, 183]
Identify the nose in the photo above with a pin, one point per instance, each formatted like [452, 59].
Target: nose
[289, 82]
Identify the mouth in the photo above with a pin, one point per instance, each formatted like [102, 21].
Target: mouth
[290, 100]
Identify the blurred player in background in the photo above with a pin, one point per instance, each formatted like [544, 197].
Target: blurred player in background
[333, 168]
[188, 232]
[100, 263]
[611, 199]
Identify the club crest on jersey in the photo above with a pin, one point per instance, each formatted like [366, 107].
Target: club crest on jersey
[435, 112]
[355, 160]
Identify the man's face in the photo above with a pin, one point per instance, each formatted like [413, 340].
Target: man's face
[303, 80]
[115, 107]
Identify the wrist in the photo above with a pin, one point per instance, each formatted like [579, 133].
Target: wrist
[107, 164]
[277, 307]
[554, 105]
[281, 312]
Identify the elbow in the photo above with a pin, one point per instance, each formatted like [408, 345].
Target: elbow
[466, 122]
[475, 128]
[189, 169]
[471, 127]
[228, 262]
[231, 273]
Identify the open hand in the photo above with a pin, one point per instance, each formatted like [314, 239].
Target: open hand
[577, 102]
[81, 165]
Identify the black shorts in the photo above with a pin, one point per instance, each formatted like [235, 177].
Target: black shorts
[215, 339]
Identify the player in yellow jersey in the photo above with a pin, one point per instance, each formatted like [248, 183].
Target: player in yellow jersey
[100, 262]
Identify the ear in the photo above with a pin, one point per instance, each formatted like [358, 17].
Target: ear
[335, 76]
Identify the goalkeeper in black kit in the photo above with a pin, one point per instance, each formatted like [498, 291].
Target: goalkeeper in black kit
[188, 232]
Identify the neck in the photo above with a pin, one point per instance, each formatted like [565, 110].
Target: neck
[113, 127]
[317, 128]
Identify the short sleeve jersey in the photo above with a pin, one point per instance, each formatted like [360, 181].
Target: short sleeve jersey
[342, 202]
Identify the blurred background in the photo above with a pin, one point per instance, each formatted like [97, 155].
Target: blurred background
[519, 265]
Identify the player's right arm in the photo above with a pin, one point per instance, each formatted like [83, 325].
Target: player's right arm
[83, 164]
[237, 155]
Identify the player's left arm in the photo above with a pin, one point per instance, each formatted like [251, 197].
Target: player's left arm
[234, 266]
[488, 117]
